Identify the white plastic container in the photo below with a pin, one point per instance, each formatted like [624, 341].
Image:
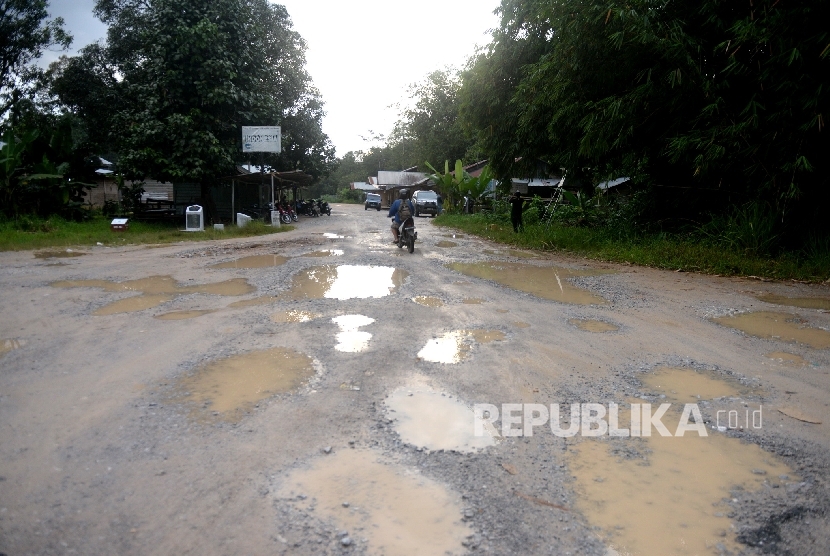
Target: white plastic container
[194, 219]
[275, 218]
[219, 227]
[242, 219]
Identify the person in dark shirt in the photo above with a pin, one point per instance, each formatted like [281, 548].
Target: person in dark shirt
[516, 205]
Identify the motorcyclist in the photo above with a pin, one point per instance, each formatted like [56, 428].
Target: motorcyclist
[394, 211]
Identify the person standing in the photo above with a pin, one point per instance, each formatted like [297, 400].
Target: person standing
[516, 205]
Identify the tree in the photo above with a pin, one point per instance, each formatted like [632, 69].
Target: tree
[24, 34]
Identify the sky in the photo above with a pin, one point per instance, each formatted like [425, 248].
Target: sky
[362, 54]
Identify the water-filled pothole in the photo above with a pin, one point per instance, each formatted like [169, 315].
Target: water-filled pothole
[330, 235]
[398, 510]
[520, 324]
[665, 494]
[542, 281]
[779, 326]
[472, 301]
[254, 261]
[803, 302]
[183, 315]
[350, 339]
[345, 282]
[293, 316]
[325, 253]
[452, 347]
[254, 302]
[428, 301]
[434, 420]
[156, 290]
[228, 388]
[59, 254]
[590, 325]
[444, 243]
[787, 358]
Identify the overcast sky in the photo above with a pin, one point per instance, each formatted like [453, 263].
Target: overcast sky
[362, 54]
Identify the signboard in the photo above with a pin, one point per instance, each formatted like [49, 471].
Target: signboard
[261, 139]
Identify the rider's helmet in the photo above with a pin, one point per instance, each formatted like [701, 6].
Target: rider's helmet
[404, 194]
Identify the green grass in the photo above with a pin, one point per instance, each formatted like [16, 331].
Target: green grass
[30, 233]
[666, 251]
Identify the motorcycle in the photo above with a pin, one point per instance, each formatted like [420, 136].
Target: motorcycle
[323, 207]
[307, 207]
[285, 214]
[407, 234]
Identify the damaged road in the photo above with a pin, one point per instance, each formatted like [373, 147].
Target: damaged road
[316, 392]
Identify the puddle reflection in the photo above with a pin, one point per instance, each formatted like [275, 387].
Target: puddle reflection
[452, 347]
[346, 282]
[778, 326]
[350, 339]
[803, 302]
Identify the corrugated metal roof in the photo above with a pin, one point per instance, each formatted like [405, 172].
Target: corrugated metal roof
[612, 183]
[399, 178]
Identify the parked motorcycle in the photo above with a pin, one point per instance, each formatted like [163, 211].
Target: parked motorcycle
[407, 234]
[308, 208]
[323, 207]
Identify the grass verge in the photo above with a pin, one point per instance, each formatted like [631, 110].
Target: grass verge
[666, 251]
[28, 233]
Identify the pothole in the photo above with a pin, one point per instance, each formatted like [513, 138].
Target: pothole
[346, 282]
[520, 324]
[59, 254]
[803, 302]
[688, 386]
[444, 243]
[590, 325]
[396, 509]
[778, 326]
[254, 261]
[325, 253]
[329, 235]
[542, 281]
[254, 302]
[472, 301]
[428, 301]
[452, 347]
[294, 316]
[350, 339]
[183, 315]
[230, 387]
[787, 358]
[435, 421]
[155, 291]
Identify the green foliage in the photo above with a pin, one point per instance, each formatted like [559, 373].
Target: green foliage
[458, 184]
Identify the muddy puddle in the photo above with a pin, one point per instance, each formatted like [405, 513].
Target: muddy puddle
[428, 301]
[434, 420]
[325, 253]
[689, 386]
[472, 301]
[10, 344]
[351, 339]
[452, 347]
[59, 254]
[345, 282]
[254, 261]
[155, 291]
[512, 253]
[230, 387]
[665, 495]
[444, 243]
[590, 325]
[803, 302]
[542, 281]
[520, 324]
[398, 511]
[778, 326]
[787, 358]
[670, 502]
[254, 302]
[294, 316]
[184, 315]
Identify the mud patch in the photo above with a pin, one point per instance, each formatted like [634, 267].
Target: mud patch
[398, 511]
[542, 281]
[803, 302]
[444, 243]
[254, 261]
[434, 420]
[778, 326]
[472, 301]
[672, 501]
[452, 347]
[428, 301]
[325, 253]
[294, 316]
[183, 315]
[350, 339]
[230, 387]
[254, 302]
[520, 324]
[787, 358]
[589, 325]
[133, 304]
[58, 254]
[688, 386]
[10, 344]
[346, 282]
